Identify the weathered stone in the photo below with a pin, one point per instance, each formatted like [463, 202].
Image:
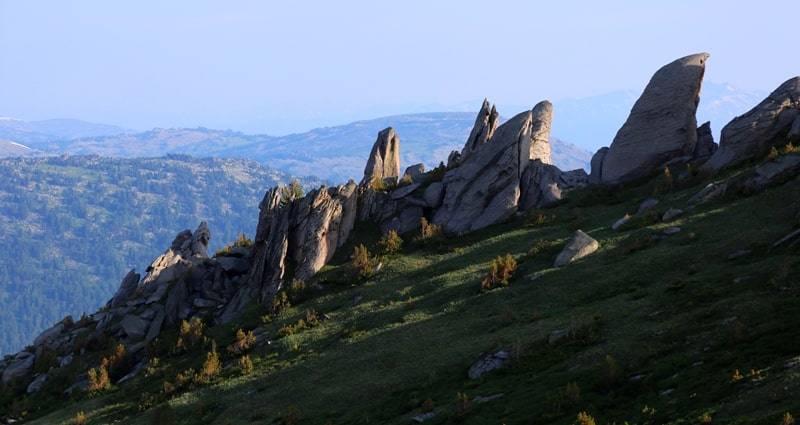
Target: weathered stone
[542, 116]
[270, 245]
[579, 246]
[597, 165]
[705, 145]
[314, 237]
[416, 172]
[662, 124]
[752, 133]
[487, 364]
[433, 194]
[484, 189]
[126, 289]
[155, 326]
[485, 125]
[647, 204]
[617, 224]
[37, 383]
[557, 335]
[782, 168]
[404, 191]
[135, 327]
[384, 160]
[48, 335]
[671, 213]
[669, 231]
[19, 367]
[540, 185]
[453, 160]
[233, 265]
[177, 302]
[795, 130]
[711, 191]
[422, 417]
[204, 303]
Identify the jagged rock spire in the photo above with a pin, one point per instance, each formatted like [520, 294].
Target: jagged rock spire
[485, 125]
[384, 160]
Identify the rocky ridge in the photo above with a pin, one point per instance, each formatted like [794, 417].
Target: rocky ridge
[502, 170]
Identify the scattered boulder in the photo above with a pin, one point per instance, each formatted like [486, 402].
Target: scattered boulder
[785, 166]
[617, 224]
[671, 213]
[753, 132]
[48, 335]
[710, 192]
[662, 124]
[557, 335]
[37, 383]
[579, 246]
[416, 173]
[647, 204]
[487, 364]
[384, 160]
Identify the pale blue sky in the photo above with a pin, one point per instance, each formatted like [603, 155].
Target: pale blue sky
[282, 66]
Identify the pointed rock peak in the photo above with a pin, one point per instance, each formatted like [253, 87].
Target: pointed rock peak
[661, 127]
[540, 131]
[384, 160]
[485, 125]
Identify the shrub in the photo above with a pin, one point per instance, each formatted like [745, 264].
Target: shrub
[379, 184]
[211, 366]
[390, 243]
[665, 184]
[462, 406]
[241, 241]
[280, 302]
[81, 418]
[245, 365]
[362, 266]
[244, 341]
[191, 334]
[787, 419]
[584, 419]
[502, 270]
[118, 363]
[405, 181]
[428, 231]
[291, 192]
[98, 380]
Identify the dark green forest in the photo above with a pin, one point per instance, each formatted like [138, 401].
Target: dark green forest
[71, 227]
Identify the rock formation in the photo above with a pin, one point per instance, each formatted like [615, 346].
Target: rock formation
[485, 125]
[705, 145]
[540, 132]
[756, 130]
[384, 160]
[661, 127]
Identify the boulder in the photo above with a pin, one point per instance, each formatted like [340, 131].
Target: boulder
[453, 160]
[619, 223]
[671, 213]
[134, 326]
[794, 132]
[384, 160]
[705, 145]
[661, 126]
[579, 246]
[155, 326]
[708, 193]
[485, 125]
[433, 195]
[647, 204]
[755, 131]
[37, 383]
[779, 169]
[487, 364]
[233, 265]
[49, 335]
[540, 185]
[416, 172]
[127, 288]
[20, 366]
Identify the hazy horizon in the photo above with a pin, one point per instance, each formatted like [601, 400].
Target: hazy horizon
[264, 68]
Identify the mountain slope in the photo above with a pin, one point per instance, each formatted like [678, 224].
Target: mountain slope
[78, 224]
[36, 134]
[671, 322]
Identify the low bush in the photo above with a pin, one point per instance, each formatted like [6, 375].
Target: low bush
[501, 271]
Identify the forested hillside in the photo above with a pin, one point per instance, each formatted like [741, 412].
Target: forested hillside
[72, 226]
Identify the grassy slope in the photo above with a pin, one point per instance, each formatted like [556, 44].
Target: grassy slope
[656, 332]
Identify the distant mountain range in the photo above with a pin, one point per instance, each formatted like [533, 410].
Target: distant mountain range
[336, 154]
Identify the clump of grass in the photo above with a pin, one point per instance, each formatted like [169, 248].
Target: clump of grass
[501, 271]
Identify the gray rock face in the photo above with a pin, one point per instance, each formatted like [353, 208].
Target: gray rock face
[416, 172]
[757, 129]
[135, 327]
[705, 145]
[485, 125]
[19, 367]
[270, 244]
[128, 287]
[780, 168]
[484, 189]
[579, 246]
[384, 160]
[48, 335]
[597, 165]
[543, 183]
[662, 124]
[542, 115]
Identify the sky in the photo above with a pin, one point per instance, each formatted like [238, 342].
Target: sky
[278, 67]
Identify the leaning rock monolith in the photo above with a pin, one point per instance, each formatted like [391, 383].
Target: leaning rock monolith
[661, 127]
[485, 125]
[542, 116]
[384, 160]
[752, 133]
